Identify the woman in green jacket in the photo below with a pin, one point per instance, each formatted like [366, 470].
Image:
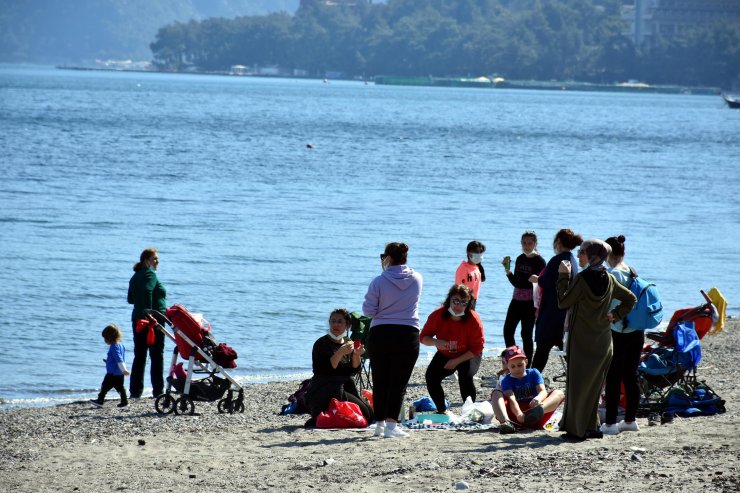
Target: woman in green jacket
[146, 292]
[589, 339]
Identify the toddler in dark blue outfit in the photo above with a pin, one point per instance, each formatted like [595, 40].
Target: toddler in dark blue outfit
[115, 367]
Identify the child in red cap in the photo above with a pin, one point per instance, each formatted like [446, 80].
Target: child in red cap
[527, 400]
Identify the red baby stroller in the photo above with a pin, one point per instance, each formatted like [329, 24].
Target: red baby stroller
[194, 343]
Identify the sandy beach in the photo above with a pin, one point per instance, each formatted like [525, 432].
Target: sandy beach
[76, 447]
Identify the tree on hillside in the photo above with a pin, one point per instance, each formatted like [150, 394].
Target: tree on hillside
[521, 39]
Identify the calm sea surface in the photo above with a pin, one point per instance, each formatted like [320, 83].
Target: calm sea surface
[265, 236]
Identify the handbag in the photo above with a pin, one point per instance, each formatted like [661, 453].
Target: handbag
[147, 324]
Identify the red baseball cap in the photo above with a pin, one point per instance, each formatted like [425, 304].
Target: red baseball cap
[514, 352]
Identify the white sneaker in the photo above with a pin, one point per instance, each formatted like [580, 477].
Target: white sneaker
[628, 426]
[612, 429]
[379, 428]
[394, 432]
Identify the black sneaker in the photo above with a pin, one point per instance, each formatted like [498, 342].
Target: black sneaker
[569, 437]
[506, 428]
[97, 403]
[123, 404]
[594, 434]
[533, 415]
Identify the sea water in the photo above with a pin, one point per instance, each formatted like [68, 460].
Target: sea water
[264, 234]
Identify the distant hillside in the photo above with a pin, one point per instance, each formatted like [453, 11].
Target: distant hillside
[73, 31]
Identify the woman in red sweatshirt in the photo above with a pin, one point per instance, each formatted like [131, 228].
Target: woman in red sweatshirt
[457, 333]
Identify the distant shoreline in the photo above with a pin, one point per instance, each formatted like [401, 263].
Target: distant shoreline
[466, 82]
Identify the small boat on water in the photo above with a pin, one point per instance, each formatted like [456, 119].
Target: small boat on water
[732, 101]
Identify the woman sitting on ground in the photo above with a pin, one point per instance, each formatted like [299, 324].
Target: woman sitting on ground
[457, 333]
[335, 361]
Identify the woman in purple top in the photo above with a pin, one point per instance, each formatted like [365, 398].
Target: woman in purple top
[392, 301]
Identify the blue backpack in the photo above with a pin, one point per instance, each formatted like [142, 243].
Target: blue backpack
[648, 311]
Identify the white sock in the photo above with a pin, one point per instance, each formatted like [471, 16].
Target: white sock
[379, 428]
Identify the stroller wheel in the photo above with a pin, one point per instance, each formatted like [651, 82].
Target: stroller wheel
[164, 404]
[238, 407]
[184, 405]
[226, 406]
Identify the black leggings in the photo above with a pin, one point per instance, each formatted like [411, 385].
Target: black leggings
[112, 381]
[436, 372]
[626, 358]
[520, 311]
[319, 400]
[394, 350]
[542, 354]
[156, 352]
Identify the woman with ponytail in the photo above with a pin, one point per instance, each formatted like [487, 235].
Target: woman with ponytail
[145, 292]
[392, 301]
[550, 325]
[521, 308]
[627, 344]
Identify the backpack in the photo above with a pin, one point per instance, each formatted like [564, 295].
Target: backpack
[701, 401]
[648, 311]
[297, 401]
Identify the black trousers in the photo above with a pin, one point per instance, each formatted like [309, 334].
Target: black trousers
[623, 369]
[520, 311]
[112, 381]
[542, 354]
[394, 350]
[319, 400]
[436, 372]
[156, 353]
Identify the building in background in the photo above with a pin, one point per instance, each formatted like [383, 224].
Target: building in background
[648, 20]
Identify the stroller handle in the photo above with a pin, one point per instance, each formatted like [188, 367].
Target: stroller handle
[710, 304]
[709, 300]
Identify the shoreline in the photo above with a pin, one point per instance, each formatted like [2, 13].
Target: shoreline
[293, 377]
[458, 82]
[80, 448]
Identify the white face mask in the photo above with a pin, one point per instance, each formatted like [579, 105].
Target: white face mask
[476, 258]
[336, 338]
[452, 312]
[531, 254]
